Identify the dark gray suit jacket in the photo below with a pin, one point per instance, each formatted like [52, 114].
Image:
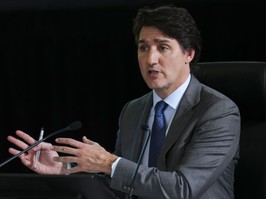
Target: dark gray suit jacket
[200, 152]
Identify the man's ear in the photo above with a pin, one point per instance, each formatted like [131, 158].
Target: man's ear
[190, 55]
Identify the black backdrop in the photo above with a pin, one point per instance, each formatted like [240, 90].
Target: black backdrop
[63, 63]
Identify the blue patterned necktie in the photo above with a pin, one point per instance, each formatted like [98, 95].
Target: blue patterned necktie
[158, 133]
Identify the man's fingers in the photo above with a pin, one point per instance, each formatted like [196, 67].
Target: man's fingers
[70, 142]
[75, 169]
[87, 141]
[27, 138]
[13, 151]
[22, 157]
[65, 149]
[17, 142]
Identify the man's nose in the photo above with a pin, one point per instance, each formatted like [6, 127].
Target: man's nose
[153, 57]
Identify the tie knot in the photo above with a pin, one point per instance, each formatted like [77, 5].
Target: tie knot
[160, 106]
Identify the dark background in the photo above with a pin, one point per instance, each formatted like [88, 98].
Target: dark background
[64, 60]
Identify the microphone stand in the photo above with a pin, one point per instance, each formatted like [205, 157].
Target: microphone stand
[146, 129]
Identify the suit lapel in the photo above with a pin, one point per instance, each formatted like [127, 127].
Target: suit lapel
[181, 118]
[146, 103]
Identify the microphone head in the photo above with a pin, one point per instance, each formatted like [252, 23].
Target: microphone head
[74, 126]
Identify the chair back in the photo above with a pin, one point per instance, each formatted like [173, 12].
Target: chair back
[245, 83]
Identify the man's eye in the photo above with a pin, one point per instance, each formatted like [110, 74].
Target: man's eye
[142, 48]
[163, 48]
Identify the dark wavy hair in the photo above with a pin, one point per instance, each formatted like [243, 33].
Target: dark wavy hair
[173, 21]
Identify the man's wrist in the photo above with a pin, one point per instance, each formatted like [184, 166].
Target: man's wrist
[113, 167]
[111, 160]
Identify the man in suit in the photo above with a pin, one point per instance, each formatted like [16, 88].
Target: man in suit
[197, 154]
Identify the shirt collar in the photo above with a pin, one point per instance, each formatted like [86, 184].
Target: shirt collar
[175, 97]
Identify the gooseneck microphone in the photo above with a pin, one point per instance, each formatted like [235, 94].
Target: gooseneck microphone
[72, 127]
[145, 128]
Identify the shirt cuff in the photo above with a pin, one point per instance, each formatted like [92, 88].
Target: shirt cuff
[114, 166]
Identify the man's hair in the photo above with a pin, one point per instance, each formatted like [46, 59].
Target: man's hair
[173, 21]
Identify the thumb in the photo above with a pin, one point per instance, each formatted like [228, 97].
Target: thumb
[86, 140]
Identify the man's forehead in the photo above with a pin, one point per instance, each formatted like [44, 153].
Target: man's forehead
[153, 34]
[150, 30]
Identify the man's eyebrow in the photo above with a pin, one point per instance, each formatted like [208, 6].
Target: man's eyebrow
[155, 40]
